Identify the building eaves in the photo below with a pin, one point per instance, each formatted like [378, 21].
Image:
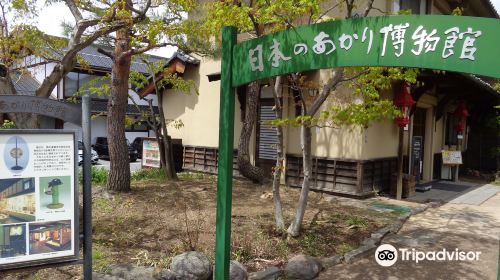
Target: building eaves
[482, 83]
[492, 7]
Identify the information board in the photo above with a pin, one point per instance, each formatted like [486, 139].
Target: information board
[150, 153]
[451, 157]
[38, 198]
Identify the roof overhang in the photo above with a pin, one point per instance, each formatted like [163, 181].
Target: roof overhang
[214, 77]
[176, 64]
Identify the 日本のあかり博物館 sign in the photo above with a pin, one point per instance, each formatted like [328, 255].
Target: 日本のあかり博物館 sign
[450, 43]
[462, 44]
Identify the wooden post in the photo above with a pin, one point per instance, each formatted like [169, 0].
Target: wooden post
[399, 186]
[457, 166]
[225, 170]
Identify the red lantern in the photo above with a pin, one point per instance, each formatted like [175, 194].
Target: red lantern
[461, 113]
[403, 101]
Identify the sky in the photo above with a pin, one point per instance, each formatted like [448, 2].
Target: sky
[51, 17]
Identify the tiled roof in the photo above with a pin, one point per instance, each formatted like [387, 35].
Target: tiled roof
[24, 83]
[97, 60]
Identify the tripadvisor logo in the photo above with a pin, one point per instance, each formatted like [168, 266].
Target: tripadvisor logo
[387, 255]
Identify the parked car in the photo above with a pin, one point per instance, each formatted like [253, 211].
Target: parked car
[137, 144]
[94, 157]
[101, 147]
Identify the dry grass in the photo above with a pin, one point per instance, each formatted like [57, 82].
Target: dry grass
[158, 220]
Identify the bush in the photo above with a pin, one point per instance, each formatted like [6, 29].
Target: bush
[99, 175]
[7, 124]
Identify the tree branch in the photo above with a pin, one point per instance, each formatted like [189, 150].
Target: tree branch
[74, 10]
[140, 14]
[327, 11]
[106, 53]
[147, 48]
[368, 8]
[325, 92]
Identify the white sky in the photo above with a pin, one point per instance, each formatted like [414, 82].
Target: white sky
[51, 17]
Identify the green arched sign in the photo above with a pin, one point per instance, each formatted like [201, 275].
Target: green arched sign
[451, 43]
[461, 44]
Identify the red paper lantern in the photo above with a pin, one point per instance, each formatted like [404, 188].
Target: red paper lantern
[403, 101]
[461, 113]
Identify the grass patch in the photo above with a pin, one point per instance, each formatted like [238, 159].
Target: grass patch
[194, 176]
[101, 261]
[153, 174]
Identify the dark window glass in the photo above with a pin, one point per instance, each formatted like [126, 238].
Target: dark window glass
[451, 130]
[73, 82]
[138, 126]
[416, 6]
[70, 84]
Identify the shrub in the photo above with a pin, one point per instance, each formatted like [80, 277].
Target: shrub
[7, 124]
[99, 175]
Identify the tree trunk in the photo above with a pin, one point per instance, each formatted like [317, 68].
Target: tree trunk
[245, 167]
[168, 153]
[278, 209]
[305, 133]
[399, 181]
[119, 174]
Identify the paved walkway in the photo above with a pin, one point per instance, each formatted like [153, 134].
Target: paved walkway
[461, 224]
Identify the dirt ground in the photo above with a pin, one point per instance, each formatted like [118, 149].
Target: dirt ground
[158, 220]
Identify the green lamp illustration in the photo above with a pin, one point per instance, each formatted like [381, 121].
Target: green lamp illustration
[53, 189]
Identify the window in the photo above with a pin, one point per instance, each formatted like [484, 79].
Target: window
[70, 84]
[416, 6]
[451, 130]
[138, 126]
[74, 81]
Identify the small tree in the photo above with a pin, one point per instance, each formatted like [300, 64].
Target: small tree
[365, 108]
[157, 120]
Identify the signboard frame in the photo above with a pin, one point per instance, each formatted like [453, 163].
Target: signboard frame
[445, 162]
[75, 257]
[143, 159]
